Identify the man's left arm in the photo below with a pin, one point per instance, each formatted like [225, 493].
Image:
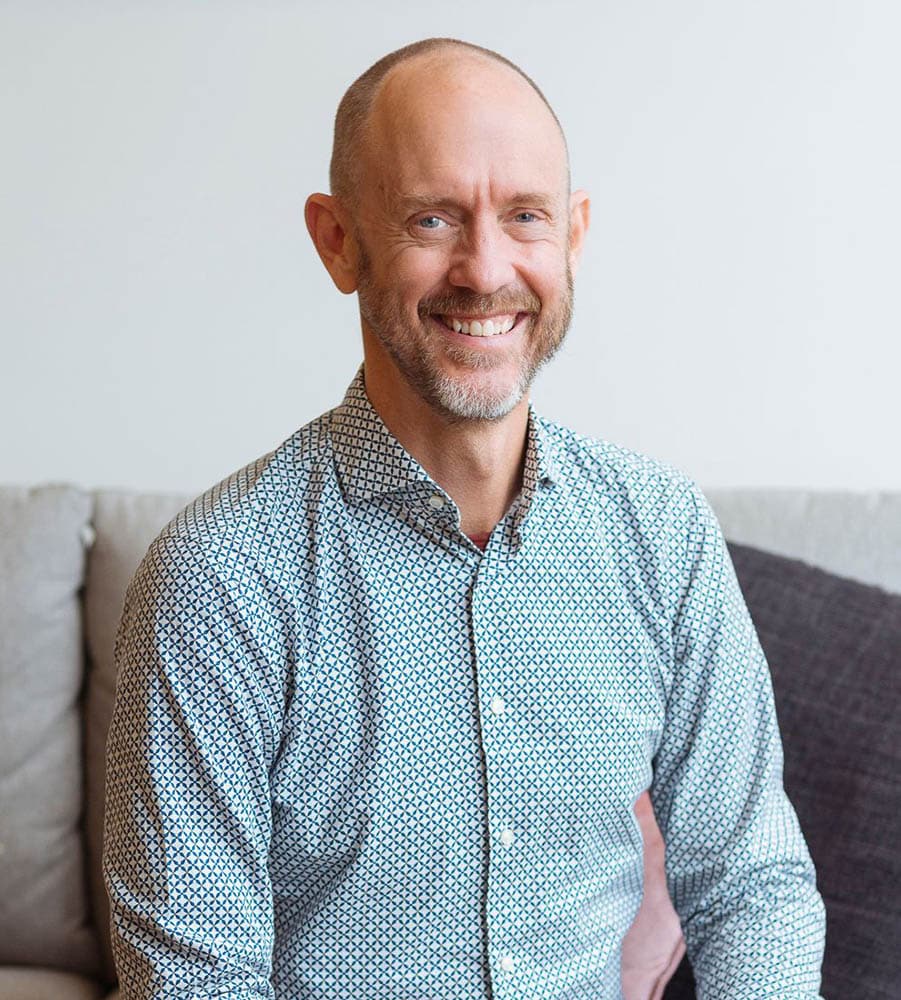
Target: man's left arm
[738, 868]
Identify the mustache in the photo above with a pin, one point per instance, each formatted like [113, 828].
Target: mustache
[472, 304]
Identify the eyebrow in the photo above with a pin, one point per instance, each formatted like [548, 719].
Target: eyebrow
[420, 201]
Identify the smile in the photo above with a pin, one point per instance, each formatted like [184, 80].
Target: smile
[487, 326]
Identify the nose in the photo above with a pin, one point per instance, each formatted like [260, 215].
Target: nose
[483, 260]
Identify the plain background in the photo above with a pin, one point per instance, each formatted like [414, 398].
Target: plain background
[164, 318]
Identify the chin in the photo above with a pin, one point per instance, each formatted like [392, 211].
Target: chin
[461, 401]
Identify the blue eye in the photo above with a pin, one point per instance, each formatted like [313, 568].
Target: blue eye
[525, 217]
[430, 222]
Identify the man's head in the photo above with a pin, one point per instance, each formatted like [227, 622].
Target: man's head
[353, 118]
[451, 216]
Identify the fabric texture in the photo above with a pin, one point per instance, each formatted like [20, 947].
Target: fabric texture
[124, 525]
[352, 755]
[834, 649]
[44, 911]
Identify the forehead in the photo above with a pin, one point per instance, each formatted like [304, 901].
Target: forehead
[462, 125]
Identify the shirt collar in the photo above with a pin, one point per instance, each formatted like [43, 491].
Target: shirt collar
[371, 461]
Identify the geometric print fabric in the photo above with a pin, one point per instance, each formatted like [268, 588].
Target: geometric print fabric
[353, 755]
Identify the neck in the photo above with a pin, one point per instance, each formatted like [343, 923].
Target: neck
[477, 463]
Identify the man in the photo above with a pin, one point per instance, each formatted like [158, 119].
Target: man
[391, 698]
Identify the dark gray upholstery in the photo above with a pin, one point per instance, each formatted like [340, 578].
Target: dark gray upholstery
[834, 649]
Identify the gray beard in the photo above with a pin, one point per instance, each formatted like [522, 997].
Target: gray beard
[456, 401]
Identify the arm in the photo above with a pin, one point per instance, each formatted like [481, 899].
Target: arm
[188, 823]
[738, 868]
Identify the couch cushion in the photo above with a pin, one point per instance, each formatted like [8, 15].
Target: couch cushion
[44, 910]
[44, 984]
[125, 524]
[834, 650]
[851, 534]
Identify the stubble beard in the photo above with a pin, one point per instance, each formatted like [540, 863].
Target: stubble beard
[458, 399]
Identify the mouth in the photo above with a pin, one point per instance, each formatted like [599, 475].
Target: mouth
[481, 327]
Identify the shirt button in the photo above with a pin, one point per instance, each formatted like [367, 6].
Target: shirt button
[507, 963]
[507, 837]
[498, 705]
[436, 502]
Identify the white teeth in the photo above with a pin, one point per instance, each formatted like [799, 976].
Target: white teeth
[480, 328]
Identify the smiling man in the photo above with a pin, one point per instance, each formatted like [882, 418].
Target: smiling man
[398, 702]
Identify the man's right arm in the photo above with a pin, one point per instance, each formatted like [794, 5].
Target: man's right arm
[188, 816]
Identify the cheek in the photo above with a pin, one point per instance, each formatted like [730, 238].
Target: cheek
[418, 272]
[544, 269]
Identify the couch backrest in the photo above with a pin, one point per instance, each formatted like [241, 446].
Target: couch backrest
[858, 535]
[45, 916]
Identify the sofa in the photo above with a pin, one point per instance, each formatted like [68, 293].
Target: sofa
[821, 573]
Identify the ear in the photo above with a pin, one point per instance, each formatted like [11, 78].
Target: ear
[334, 243]
[579, 218]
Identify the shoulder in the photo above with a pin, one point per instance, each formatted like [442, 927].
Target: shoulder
[650, 516]
[623, 481]
[244, 520]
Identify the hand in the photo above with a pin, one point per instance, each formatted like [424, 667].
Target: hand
[654, 945]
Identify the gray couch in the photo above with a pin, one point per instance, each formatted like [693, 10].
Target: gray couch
[66, 556]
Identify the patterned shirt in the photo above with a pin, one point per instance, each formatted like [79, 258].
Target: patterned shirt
[354, 756]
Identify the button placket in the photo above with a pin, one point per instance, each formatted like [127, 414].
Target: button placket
[497, 719]
[498, 708]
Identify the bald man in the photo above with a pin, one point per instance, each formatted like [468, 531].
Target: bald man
[409, 707]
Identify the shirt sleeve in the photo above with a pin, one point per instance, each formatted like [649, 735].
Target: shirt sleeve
[738, 869]
[188, 816]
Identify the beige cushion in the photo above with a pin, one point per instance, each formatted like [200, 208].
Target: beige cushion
[43, 984]
[44, 911]
[125, 524]
[850, 534]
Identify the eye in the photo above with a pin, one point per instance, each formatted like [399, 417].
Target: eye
[525, 217]
[430, 222]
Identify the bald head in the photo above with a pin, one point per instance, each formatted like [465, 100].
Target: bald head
[377, 98]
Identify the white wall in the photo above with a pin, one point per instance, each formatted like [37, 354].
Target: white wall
[164, 318]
